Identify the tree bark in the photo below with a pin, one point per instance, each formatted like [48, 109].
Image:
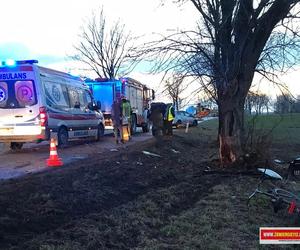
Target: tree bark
[231, 123]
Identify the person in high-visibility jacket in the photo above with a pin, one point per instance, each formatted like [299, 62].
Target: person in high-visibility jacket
[126, 115]
[117, 120]
[168, 119]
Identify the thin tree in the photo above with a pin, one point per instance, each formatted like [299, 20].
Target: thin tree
[234, 39]
[174, 87]
[105, 50]
[284, 103]
[257, 101]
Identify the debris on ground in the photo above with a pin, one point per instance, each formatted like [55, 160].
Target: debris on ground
[151, 154]
[129, 200]
[175, 151]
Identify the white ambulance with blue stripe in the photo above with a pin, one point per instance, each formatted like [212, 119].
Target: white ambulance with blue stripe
[38, 103]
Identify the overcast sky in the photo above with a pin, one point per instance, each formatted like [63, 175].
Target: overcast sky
[47, 30]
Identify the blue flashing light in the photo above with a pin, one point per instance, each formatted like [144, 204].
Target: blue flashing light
[27, 61]
[12, 63]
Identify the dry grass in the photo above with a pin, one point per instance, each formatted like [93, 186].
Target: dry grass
[135, 201]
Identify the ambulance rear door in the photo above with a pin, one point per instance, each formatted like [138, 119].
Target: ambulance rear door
[19, 105]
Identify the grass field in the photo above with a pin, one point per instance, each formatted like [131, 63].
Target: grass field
[130, 200]
[281, 130]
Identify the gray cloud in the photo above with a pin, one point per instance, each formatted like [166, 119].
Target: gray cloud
[18, 51]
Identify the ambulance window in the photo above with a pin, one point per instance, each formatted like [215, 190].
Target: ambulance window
[3, 94]
[74, 97]
[56, 95]
[84, 98]
[88, 96]
[25, 94]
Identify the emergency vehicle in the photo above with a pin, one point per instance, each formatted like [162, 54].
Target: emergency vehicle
[138, 94]
[38, 103]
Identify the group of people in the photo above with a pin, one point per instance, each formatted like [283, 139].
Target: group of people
[162, 115]
[121, 118]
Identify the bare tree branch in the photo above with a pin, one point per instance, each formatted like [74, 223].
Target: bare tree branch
[106, 51]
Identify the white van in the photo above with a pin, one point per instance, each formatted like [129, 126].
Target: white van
[38, 103]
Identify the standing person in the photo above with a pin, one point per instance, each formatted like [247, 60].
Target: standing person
[126, 115]
[168, 119]
[156, 116]
[116, 118]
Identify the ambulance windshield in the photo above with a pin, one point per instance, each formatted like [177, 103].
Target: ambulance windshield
[17, 94]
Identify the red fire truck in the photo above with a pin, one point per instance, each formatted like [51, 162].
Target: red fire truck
[139, 95]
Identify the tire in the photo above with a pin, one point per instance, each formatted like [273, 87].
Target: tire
[62, 137]
[133, 124]
[100, 132]
[16, 145]
[146, 127]
[154, 131]
[195, 123]
[285, 195]
[178, 123]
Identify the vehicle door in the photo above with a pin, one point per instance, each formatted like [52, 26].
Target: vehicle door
[18, 104]
[84, 118]
[189, 118]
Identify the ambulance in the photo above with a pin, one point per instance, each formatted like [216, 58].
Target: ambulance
[37, 104]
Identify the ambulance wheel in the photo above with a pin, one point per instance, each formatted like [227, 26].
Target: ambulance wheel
[62, 137]
[16, 145]
[100, 132]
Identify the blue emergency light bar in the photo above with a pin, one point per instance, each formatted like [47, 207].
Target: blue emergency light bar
[11, 62]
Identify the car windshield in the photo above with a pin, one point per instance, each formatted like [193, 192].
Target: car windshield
[17, 94]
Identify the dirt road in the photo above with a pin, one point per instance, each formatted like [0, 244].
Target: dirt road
[32, 158]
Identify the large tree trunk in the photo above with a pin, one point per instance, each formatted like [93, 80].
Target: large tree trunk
[231, 128]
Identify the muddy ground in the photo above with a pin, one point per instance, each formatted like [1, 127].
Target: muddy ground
[130, 200]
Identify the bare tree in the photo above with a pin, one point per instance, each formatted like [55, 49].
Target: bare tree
[234, 39]
[249, 102]
[105, 50]
[174, 87]
[257, 101]
[284, 104]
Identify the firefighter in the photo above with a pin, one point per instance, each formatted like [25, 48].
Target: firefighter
[168, 119]
[117, 121]
[156, 115]
[126, 115]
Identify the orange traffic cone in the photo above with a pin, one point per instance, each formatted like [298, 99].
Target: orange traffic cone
[54, 160]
